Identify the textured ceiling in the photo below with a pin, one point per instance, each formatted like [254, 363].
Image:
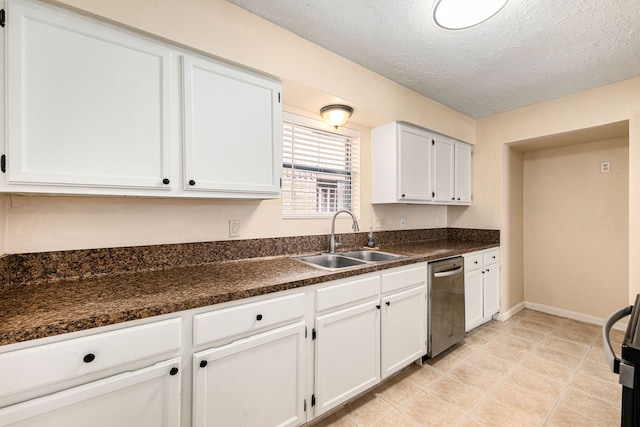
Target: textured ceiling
[532, 51]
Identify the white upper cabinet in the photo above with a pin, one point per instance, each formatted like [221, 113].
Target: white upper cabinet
[462, 179]
[85, 105]
[400, 164]
[443, 170]
[451, 171]
[233, 121]
[93, 109]
[414, 165]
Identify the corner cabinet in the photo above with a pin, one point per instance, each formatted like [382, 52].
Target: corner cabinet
[481, 286]
[414, 165]
[95, 109]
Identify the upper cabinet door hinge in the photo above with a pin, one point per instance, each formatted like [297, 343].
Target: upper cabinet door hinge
[278, 92]
[313, 334]
[2, 17]
[3, 163]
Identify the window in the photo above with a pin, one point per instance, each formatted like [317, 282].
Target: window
[320, 168]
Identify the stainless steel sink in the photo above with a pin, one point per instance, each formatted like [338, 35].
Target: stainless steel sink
[370, 256]
[330, 261]
[345, 259]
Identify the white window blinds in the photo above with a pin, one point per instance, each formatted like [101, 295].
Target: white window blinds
[320, 169]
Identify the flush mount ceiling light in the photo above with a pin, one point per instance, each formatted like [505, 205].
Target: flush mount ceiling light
[336, 114]
[459, 14]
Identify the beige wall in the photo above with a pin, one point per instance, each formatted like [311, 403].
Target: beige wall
[576, 227]
[496, 190]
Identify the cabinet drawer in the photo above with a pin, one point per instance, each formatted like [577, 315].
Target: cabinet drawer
[239, 320]
[403, 278]
[347, 292]
[22, 370]
[472, 261]
[491, 256]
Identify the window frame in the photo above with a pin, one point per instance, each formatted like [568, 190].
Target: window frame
[354, 135]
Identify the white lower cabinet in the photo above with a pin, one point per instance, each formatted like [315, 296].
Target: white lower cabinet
[256, 381]
[481, 286]
[366, 330]
[127, 377]
[404, 329]
[148, 397]
[347, 354]
[404, 317]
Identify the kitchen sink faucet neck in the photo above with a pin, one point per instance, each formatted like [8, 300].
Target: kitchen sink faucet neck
[332, 244]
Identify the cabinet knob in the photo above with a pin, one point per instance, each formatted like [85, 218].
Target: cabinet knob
[378, 306]
[259, 317]
[458, 198]
[475, 262]
[403, 195]
[192, 182]
[494, 257]
[453, 198]
[203, 363]
[88, 358]
[388, 303]
[482, 271]
[166, 181]
[488, 270]
[173, 371]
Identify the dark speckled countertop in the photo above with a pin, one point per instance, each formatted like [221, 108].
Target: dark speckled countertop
[40, 308]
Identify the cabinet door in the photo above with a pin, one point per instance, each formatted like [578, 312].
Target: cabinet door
[233, 130]
[148, 397]
[462, 172]
[86, 105]
[491, 290]
[347, 354]
[404, 329]
[443, 170]
[257, 381]
[414, 158]
[473, 299]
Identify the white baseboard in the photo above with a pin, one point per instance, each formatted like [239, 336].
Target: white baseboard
[503, 317]
[587, 318]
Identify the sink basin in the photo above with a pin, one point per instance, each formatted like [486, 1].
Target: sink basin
[370, 256]
[330, 261]
[345, 259]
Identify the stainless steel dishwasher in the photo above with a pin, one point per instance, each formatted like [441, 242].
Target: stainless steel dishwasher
[446, 304]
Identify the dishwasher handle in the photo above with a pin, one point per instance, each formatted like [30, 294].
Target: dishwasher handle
[448, 273]
[612, 360]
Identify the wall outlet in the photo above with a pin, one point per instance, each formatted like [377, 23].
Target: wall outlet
[234, 228]
[378, 223]
[605, 167]
[437, 220]
[403, 223]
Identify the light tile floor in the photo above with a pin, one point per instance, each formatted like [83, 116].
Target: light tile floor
[533, 370]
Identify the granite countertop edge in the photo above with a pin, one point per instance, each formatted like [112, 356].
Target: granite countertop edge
[45, 310]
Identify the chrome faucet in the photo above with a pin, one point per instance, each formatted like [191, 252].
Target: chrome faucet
[332, 244]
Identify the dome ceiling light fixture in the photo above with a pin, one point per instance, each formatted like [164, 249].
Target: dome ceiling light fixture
[460, 14]
[336, 114]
